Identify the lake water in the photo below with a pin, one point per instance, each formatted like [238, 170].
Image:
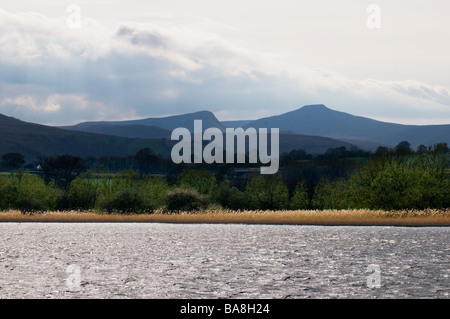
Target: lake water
[116, 260]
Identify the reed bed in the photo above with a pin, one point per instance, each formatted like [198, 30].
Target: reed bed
[431, 217]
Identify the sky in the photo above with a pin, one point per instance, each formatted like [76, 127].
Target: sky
[65, 62]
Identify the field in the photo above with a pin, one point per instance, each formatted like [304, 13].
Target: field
[430, 217]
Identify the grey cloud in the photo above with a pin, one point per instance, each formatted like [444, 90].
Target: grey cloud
[151, 38]
[143, 70]
[424, 91]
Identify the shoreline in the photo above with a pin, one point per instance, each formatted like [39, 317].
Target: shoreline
[425, 218]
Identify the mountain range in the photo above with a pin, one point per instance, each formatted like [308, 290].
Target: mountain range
[314, 128]
[311, 120]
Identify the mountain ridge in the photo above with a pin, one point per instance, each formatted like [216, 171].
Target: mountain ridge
[168, 122]
[312, 127]
[311, 120]
[36, 140]
[320, 120]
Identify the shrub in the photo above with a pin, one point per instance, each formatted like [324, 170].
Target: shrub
[82, 193]
[156, 189]
[6, 193]
[27, 192]
[109, 187]
[128, 201]
[231, 197]
[30, 205]
[178, 200]
[33, 195]
[202, 181]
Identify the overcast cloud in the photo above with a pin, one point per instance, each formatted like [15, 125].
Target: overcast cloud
[138, 60]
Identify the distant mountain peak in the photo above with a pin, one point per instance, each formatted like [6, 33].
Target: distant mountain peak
[204, 112]
[315, 106]
[319, 120]
[168, 123]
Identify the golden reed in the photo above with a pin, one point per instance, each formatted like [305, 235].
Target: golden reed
[430, 217]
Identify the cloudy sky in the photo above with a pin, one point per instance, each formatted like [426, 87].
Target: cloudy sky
[131, 59]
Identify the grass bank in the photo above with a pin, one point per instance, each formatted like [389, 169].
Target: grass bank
[430, 217]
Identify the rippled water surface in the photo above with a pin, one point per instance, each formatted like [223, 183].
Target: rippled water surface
[108, 260]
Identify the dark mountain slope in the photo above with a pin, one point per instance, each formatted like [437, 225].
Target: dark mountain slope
[319, 120]
[123, 130]
[167, 123]
[34, 140]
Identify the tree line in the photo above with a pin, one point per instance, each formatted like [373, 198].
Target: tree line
[390, 179]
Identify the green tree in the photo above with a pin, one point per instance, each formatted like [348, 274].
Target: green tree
[440, 148]
[203, 181]
[421, 149]
[403, 148]
[382, 151]
[267, 192]
[61, 169]
[12, 161]
[300, 198]
[155, 188]
[146, 159]
[331, 194]
[395, 187]
[392, 182]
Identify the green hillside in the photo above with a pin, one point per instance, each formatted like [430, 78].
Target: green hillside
[34, 140]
